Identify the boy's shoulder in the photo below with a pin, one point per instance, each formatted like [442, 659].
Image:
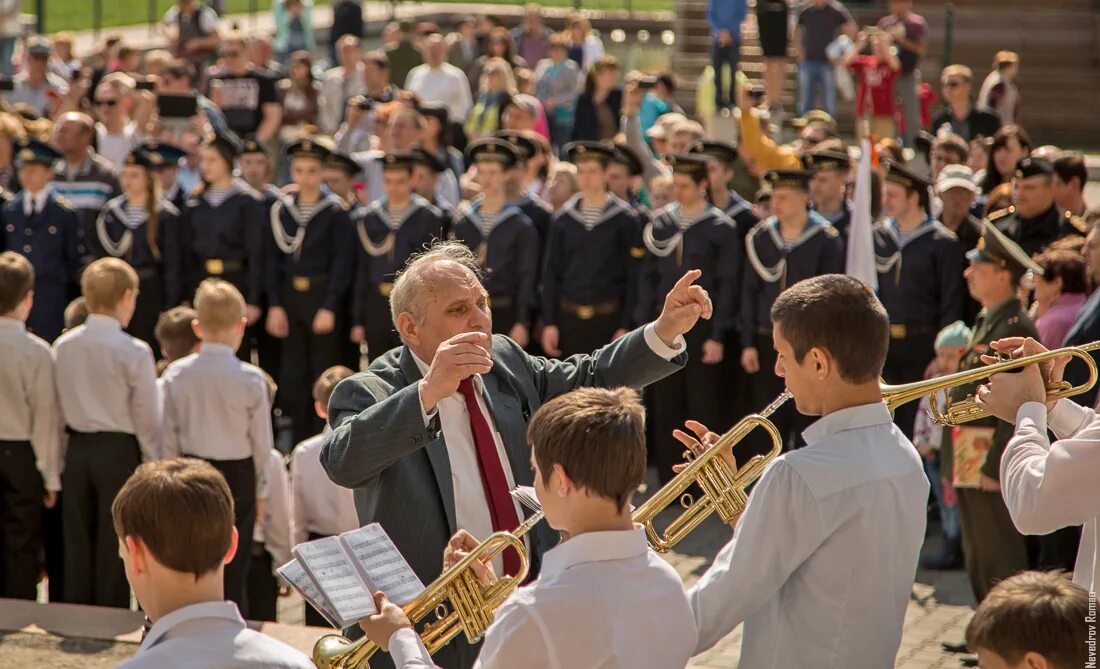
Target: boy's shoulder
[309, 446]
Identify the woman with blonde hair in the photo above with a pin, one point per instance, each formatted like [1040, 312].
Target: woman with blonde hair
[585, 47]
[495, 89]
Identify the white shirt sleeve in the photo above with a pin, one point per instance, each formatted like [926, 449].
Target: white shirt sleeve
[465, 98]
[145, 404]
[756, 563]
[299, 520]
[517, 638]
[46, 421]
[259, 433]
[408, 651]
[277, 510]
[659, 347]
[1049, 486]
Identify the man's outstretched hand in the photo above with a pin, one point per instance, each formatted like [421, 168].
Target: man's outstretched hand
[685, 304]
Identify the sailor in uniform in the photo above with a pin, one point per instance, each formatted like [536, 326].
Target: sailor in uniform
[504, 239]
[309, 272]
[167, 170]
[795, 243]
[389, 231]
[532, 206]
[221, 234]
[135, 226]
[1035, 220]
[426, 174]
[586, 279]
[829, 187]
[43, 227]
[339, 177]
[720, 175]
[690, 234]
[255, 169]
[920, 280]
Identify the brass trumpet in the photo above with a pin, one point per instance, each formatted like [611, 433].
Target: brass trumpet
[472, 604]
[723, 489]
[966, 410]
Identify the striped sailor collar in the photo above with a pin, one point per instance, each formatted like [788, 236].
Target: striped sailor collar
[612, 206]
[815, 225]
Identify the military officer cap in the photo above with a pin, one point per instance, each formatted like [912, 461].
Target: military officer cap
[493, 149]
[903, 176]
[525, 146]
[399, 160]
[826, 159]
[252, 145]
[342, 161]
[995, 247]
[624, 155]
[1033, 167]
[163, 154]
[307, 147]
[578, 151]
[723, 152]
[27, 150]
[143, 158]
[786, 178]
[692, 164]
[430, 160]
[226, 142]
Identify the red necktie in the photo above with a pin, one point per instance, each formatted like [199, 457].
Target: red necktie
[502, 509]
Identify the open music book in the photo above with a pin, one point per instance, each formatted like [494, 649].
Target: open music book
[339, 575]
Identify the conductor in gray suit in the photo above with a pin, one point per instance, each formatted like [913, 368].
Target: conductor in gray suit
[433, 435]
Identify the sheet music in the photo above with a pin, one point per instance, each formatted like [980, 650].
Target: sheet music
[381, 565]
[330, 566]
[525, 495]
[297, 577]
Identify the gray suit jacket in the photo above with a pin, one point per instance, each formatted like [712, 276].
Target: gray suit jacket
[400, 469]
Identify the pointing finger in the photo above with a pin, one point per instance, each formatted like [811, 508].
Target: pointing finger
[687, 279]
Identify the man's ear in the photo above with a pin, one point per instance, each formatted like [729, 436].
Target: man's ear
[408, 328]
[135, 547]
[196, 328]
[560, 483]
[823, 363]
[229, 554]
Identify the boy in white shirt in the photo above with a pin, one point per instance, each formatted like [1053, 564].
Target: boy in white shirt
[216, 408]
[174, 525]
[30, 432]
[320, 507]
[106, 381]
[604, 598]
[820, 568]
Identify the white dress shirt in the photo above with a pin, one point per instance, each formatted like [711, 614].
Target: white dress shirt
[216, 408]
[604, 599]
[1050, 486]
[107, 382]
[320, 506]
[29, 397]
[471, 505]
[212, 635]
[337, 87]
[33, 202]
[445, 84]
[273, 530]
[821, 565]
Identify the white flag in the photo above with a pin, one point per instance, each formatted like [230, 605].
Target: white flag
[861, 242]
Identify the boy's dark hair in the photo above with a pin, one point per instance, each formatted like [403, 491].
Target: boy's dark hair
[597, 435]
[181, 510]
[16, 280]
[1033, 611]
[1070, 164]
[840, 314]
[175, 333]
[326, 383]
[954, 144]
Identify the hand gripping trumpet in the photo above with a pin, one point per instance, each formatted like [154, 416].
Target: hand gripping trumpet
[723, 489]
[966, 410]
[472, 605]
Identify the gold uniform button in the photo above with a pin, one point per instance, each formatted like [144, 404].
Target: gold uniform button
[215, 266]
[300, 283]
[585, 312]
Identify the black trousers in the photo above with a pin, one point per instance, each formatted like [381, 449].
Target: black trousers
[906, 360]
[21, 494]
[241, 477]
[53, 543]
[96, 466]
[307, 355]
[313, 617]
[766, 386]
[579, 335]
[262, 588]
[378, 328]
[150, 302]
[693, 393]
[1058, 550]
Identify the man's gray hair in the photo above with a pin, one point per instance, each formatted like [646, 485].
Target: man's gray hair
[408, 287]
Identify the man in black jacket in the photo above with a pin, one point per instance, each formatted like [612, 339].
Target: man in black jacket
[959, 113]
[347, 19]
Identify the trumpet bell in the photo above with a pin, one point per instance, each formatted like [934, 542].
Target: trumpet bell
[333, 651]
